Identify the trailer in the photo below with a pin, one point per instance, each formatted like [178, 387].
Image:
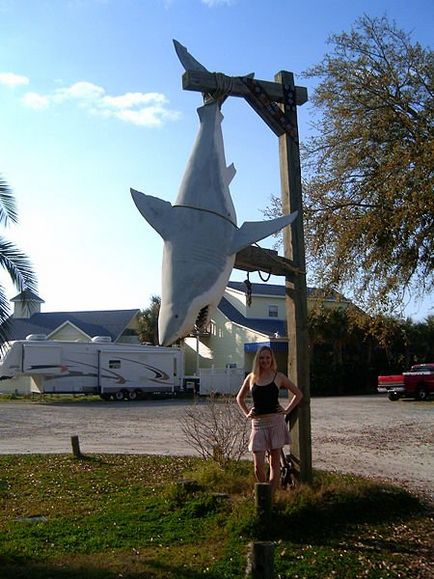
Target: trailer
[113, 371]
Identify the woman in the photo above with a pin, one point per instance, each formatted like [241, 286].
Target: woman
[269, 429]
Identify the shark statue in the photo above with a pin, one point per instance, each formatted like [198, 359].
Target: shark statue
[200, 232]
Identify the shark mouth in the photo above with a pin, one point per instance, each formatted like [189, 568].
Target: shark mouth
[202, 320]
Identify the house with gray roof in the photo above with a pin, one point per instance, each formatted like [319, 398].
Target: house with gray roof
[27, 319]
[245, 321]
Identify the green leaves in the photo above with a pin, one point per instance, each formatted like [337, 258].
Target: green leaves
[148, 322]
[12, 259]
[369, 202]
[7, 204]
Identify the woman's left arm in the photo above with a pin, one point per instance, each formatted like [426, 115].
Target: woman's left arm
[285, 382]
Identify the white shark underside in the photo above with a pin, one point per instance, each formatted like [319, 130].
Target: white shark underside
[200, 233]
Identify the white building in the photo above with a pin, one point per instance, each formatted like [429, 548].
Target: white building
[238, 328]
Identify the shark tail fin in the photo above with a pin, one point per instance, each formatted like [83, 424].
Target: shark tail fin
[187, 60]
[253, 231]
[158, 213]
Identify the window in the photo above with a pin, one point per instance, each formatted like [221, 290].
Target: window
[273, 312]
[114, 364]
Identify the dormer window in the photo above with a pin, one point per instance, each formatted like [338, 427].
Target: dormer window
[273, 311]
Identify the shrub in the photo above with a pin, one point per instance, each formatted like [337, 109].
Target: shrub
[216, 429]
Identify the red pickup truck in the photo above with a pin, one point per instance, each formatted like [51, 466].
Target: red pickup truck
[417, 383]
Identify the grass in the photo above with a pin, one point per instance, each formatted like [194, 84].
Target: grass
[80, 398]
[110, 516]
[48, 398]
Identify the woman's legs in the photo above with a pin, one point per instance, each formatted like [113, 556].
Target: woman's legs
[274, 459]
[259, 465]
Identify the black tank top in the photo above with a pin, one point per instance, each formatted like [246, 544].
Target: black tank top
[265, 398]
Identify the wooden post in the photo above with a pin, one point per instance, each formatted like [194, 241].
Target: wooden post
[264, 502]
[260, 560]
[76, 446]
[276, 103]
[296, 290]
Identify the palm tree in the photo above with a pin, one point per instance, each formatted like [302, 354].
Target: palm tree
[12, 259]
[148, 322]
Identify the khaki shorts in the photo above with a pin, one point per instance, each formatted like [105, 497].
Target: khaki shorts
[269, 431]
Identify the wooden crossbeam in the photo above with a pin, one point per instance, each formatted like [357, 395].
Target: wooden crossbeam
[266, 260]
[206, 82]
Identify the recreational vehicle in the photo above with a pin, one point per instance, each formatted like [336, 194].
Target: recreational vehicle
[118, 371]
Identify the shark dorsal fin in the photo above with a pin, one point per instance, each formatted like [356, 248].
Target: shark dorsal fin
[253, 231]
[158, 213]
[230, 173]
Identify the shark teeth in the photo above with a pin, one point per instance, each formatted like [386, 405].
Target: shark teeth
[202, 320]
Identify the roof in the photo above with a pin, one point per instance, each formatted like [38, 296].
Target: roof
[269, 289]
[93, 323]
[269, 327]
[265, 289]
[27, 295]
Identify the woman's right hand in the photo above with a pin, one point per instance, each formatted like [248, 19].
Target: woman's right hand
[251, 413]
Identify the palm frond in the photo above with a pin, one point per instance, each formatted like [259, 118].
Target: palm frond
[8, 209]
[17, 265]
[13, 260]
[4, 320]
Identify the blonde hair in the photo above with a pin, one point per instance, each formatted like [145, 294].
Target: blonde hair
[255, 367]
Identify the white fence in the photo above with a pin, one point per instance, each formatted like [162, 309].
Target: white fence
[220, 380]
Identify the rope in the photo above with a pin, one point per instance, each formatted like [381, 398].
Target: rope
[262, 278]
[248, 291]
[224, 85]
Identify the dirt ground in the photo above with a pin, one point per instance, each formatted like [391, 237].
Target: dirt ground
[367, 435]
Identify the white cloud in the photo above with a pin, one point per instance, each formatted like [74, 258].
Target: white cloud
[212, 3]
[142, 109]
[152, 116]
[82, 91]
[12, 79]
[34, 100]
[131, 99]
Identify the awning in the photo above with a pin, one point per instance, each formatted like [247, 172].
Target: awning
[275, 345]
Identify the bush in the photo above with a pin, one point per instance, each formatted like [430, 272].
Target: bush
[216, 429]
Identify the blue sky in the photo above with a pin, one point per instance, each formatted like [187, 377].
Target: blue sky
[92, 104]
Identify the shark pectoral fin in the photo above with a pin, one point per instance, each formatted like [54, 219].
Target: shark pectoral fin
[252, 231]
[158, 213]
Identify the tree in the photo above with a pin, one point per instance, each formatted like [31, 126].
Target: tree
[14, 261]
[340, 350]
[369, 203]
[148, 322]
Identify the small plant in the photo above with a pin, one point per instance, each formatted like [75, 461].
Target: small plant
[216, 429]
[235, 478]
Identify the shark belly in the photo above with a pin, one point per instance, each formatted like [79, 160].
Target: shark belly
[195, 272]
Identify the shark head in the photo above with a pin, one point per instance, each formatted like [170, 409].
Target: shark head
[191, 290]
[175, 321]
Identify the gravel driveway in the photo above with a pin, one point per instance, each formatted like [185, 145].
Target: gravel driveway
[366, 435]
